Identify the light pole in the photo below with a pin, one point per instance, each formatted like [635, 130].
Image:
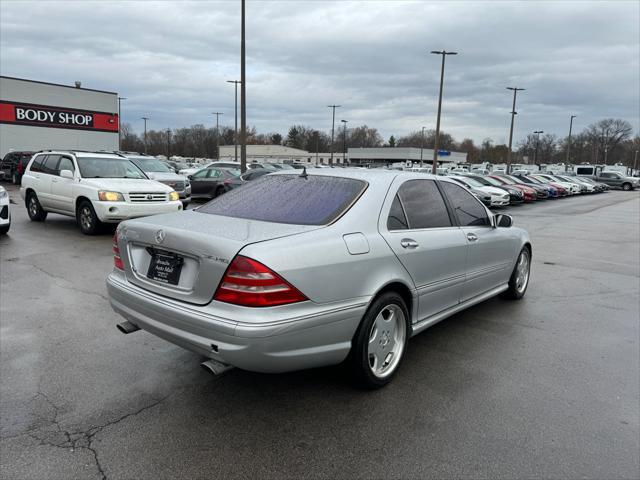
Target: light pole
[145, 133]
[535, 155]
[421, 144]
[235, 135]
[217, 114]
[437, 140]
[344, 141]
[513, 116]
[605, 142]
[333, 124]
[317, 135]
[635, 163]
[243, 98]
[569, 140]
[119, 122]
[168, 144]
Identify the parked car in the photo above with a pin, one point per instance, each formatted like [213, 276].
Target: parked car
[196, 168]
[499, 196]
[529, 192]
[571, 188]
[602, 187]
[516, 195]
[209, 183]
[618, 180]
[5, 211]
[235, 182]
[159, 171]
[484, 197]
[551, 191]
[390, 268]
[13, 166]
[93, 187]
[585, 187]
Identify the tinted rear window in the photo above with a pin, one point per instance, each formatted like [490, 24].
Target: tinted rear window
[315, 200]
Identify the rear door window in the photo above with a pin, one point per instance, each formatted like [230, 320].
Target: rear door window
[291, 199]
[36, 166]
[51, 164]
[423, 204]
[469, 210]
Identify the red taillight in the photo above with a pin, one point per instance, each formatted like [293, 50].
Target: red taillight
[19, 168]
[117, 261]
[250, 284]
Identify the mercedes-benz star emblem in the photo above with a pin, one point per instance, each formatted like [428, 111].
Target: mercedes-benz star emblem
[160, 236]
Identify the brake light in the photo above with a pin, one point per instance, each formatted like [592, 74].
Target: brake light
[251, 284]
[19, 168]
[117, 261]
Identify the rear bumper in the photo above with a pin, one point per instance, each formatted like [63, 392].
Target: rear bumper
[118, 211]
[312, 340]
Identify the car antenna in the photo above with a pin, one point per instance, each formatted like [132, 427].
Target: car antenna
[303, 174]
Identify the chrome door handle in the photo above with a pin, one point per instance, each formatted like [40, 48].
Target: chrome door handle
[472, 237]
[54, 180]
[408, 243]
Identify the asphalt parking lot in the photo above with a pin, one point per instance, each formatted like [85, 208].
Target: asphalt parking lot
[545, 387]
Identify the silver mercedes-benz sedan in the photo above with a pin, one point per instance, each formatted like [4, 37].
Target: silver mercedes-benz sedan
[299, 269]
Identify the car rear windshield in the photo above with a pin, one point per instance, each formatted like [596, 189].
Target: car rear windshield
[292, 199]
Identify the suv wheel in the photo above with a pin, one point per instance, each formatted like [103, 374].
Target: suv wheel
[87, 219]
[15, 178]
[626, 187]
[34, 209]
[380, 342]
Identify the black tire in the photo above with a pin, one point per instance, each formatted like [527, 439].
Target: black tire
[87, 219]
[15, 178]
[219, 191]
[360, 357]
[34, 209]
[626, 187]
[517, 283]
[5, 229]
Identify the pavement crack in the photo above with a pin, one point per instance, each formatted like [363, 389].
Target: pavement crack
[70, 285]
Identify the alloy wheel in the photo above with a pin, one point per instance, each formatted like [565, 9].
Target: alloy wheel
[386, 340]
[522, 271]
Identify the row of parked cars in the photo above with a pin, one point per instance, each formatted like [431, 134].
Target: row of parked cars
[500, 189]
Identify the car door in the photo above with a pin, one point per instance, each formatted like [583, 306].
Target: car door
[420, 231]
[488, 265]
[612, 179]
[199, 183]
[62, 188]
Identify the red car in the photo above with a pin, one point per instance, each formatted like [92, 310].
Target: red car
[528, 192]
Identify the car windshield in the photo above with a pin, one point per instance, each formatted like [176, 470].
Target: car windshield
[292, 199]
[502, 180]
[231, 171]
[106, 167]
[491, 181]
[472, 181]
[147, 164]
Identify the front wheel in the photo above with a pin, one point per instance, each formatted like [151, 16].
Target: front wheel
[519, 280]
[626, 187]
[5, 229]
[15, 178]
[88, 221]
[380, 342]
[219, 191]
[34, 209]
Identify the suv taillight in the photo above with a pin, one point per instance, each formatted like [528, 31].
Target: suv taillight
[117, 261]
[19, 168]
[250, 284]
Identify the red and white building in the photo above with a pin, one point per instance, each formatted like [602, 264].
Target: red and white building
[38, 116]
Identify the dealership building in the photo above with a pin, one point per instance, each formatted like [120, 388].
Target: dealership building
[38, 116]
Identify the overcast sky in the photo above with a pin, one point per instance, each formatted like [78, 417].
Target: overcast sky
[171, 60]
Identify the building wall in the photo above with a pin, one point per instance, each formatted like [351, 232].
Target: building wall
[384, 155]
[102, 106]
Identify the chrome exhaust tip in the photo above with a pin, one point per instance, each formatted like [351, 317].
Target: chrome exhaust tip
[127, 327]
[214, 367]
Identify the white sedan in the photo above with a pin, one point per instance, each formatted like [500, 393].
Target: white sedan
[499, 197]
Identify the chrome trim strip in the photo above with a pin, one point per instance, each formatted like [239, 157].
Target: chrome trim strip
[429, 321]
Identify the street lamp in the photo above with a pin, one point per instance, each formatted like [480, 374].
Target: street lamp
[243, 97]
[119, 123]
[217, 114]
[635, 163]
[168, 144]
[535, 155]
[235, 136]
[421, 144]
[344, 141]
[569, 140]
[145, 133]
[333, 124]
[513, 116]
[437, 140]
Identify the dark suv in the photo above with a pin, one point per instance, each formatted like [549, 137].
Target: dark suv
[13, 165]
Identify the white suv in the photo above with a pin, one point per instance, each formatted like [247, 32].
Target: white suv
[92, 187]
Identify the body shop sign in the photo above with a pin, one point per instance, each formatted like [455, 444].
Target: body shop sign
[57, 117]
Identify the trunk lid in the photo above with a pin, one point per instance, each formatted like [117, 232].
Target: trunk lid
[205, 243]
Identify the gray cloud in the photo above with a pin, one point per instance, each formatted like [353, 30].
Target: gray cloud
[171, 60]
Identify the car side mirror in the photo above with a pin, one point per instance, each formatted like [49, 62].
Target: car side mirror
[502, 220]
[190, 177]
[66, 174]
